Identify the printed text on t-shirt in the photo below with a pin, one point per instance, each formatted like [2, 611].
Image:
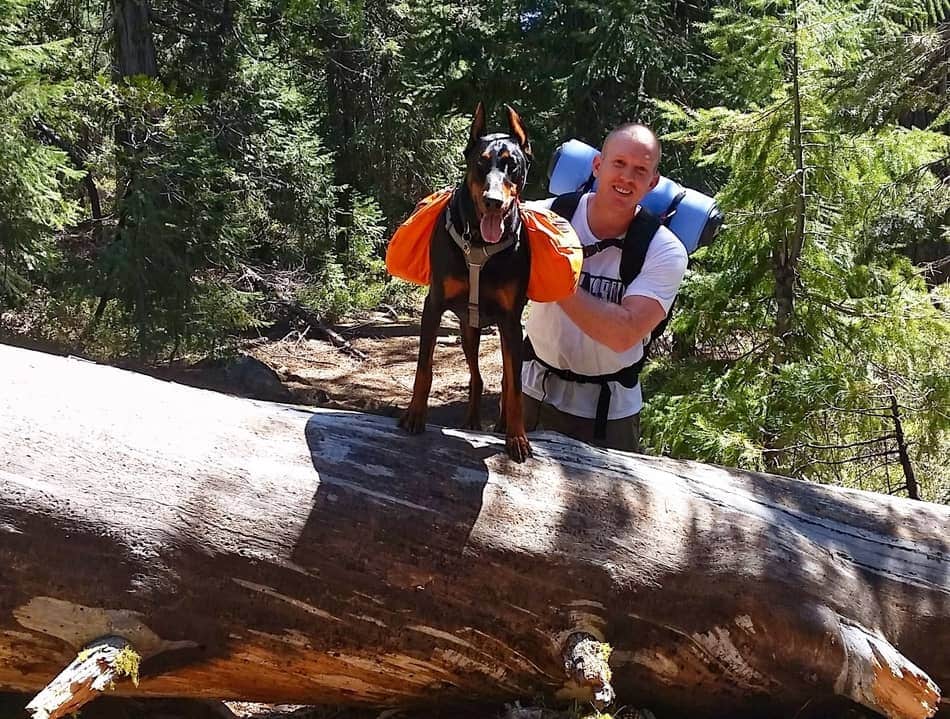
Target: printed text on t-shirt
[606, 288]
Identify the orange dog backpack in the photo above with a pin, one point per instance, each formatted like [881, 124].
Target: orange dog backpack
[407, 256]
[556, 254]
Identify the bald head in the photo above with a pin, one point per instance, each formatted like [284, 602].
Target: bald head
[641, 135]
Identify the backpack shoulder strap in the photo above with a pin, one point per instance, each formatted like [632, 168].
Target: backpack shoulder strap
[566, 205]
[636, 244]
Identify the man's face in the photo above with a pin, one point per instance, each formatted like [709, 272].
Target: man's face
[626, 171]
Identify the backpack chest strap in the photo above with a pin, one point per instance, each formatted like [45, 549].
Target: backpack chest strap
[591, 250]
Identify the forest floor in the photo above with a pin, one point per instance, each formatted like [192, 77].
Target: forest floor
[378, 376]
[366, 364]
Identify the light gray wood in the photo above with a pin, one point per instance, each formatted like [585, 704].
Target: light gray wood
[96, 669]
[269, 552]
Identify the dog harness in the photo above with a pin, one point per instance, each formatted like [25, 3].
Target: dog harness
[477, 255]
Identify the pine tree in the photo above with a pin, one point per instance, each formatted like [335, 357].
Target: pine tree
[813, 330]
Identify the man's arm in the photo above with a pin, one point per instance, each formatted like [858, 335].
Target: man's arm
[618, 327]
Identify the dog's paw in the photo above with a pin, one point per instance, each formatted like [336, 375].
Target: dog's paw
[413, 421]
[518, 447]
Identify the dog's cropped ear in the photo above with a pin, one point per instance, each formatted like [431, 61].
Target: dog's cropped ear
[518, 131]
[477, 130]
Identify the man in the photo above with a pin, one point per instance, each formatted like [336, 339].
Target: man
[599, 331]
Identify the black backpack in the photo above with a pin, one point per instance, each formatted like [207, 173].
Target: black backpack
[633, 249]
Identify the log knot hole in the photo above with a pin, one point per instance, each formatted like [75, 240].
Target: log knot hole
[586, 663]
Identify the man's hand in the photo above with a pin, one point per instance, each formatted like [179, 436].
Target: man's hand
[618, 327]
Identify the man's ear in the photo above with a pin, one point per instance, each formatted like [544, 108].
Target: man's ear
[655, 181]
[595, 167]
[517, 131]
[477, 130]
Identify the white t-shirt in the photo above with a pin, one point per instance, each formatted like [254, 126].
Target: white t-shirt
[561, 343]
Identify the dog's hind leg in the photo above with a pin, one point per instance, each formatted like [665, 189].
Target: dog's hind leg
[471, 338]
[414, 419]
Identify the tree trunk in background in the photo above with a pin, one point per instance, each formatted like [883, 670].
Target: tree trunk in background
[344, 78]
[907, 467]
[278, 553]
[134, 45]
[787, 249]
[134, 49]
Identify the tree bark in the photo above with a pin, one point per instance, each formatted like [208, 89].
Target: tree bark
[910, 480]
[134, 43]
[279, 553]
[788, 248]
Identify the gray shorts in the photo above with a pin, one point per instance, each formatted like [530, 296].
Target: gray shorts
[623, 433]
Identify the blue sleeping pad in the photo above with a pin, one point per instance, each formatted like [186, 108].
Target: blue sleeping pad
[693, 217]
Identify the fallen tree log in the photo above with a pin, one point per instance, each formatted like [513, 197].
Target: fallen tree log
[278, 553]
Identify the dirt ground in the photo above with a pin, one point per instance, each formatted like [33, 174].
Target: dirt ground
[321, 373]
[372, 371]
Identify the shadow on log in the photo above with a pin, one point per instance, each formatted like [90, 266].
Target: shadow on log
[268, 552]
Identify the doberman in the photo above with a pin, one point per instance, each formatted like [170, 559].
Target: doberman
[480, 264]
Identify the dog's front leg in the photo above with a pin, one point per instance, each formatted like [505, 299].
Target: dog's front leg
[414, 419]
[471, 338]
[516, 439]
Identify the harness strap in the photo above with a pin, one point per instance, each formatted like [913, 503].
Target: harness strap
[476, 255]
[627, 377]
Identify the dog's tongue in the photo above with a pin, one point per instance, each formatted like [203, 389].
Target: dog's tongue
[492, 225]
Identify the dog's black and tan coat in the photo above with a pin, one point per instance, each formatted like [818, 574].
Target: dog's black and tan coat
[481, 221]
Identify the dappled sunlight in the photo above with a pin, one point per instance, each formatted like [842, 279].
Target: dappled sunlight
[528, 500]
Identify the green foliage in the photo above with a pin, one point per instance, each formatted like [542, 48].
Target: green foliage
[863, 326]
[905, 77]
[572, 69]
[281, 170]
[176, 215]
[355, 279]
[33, 204]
